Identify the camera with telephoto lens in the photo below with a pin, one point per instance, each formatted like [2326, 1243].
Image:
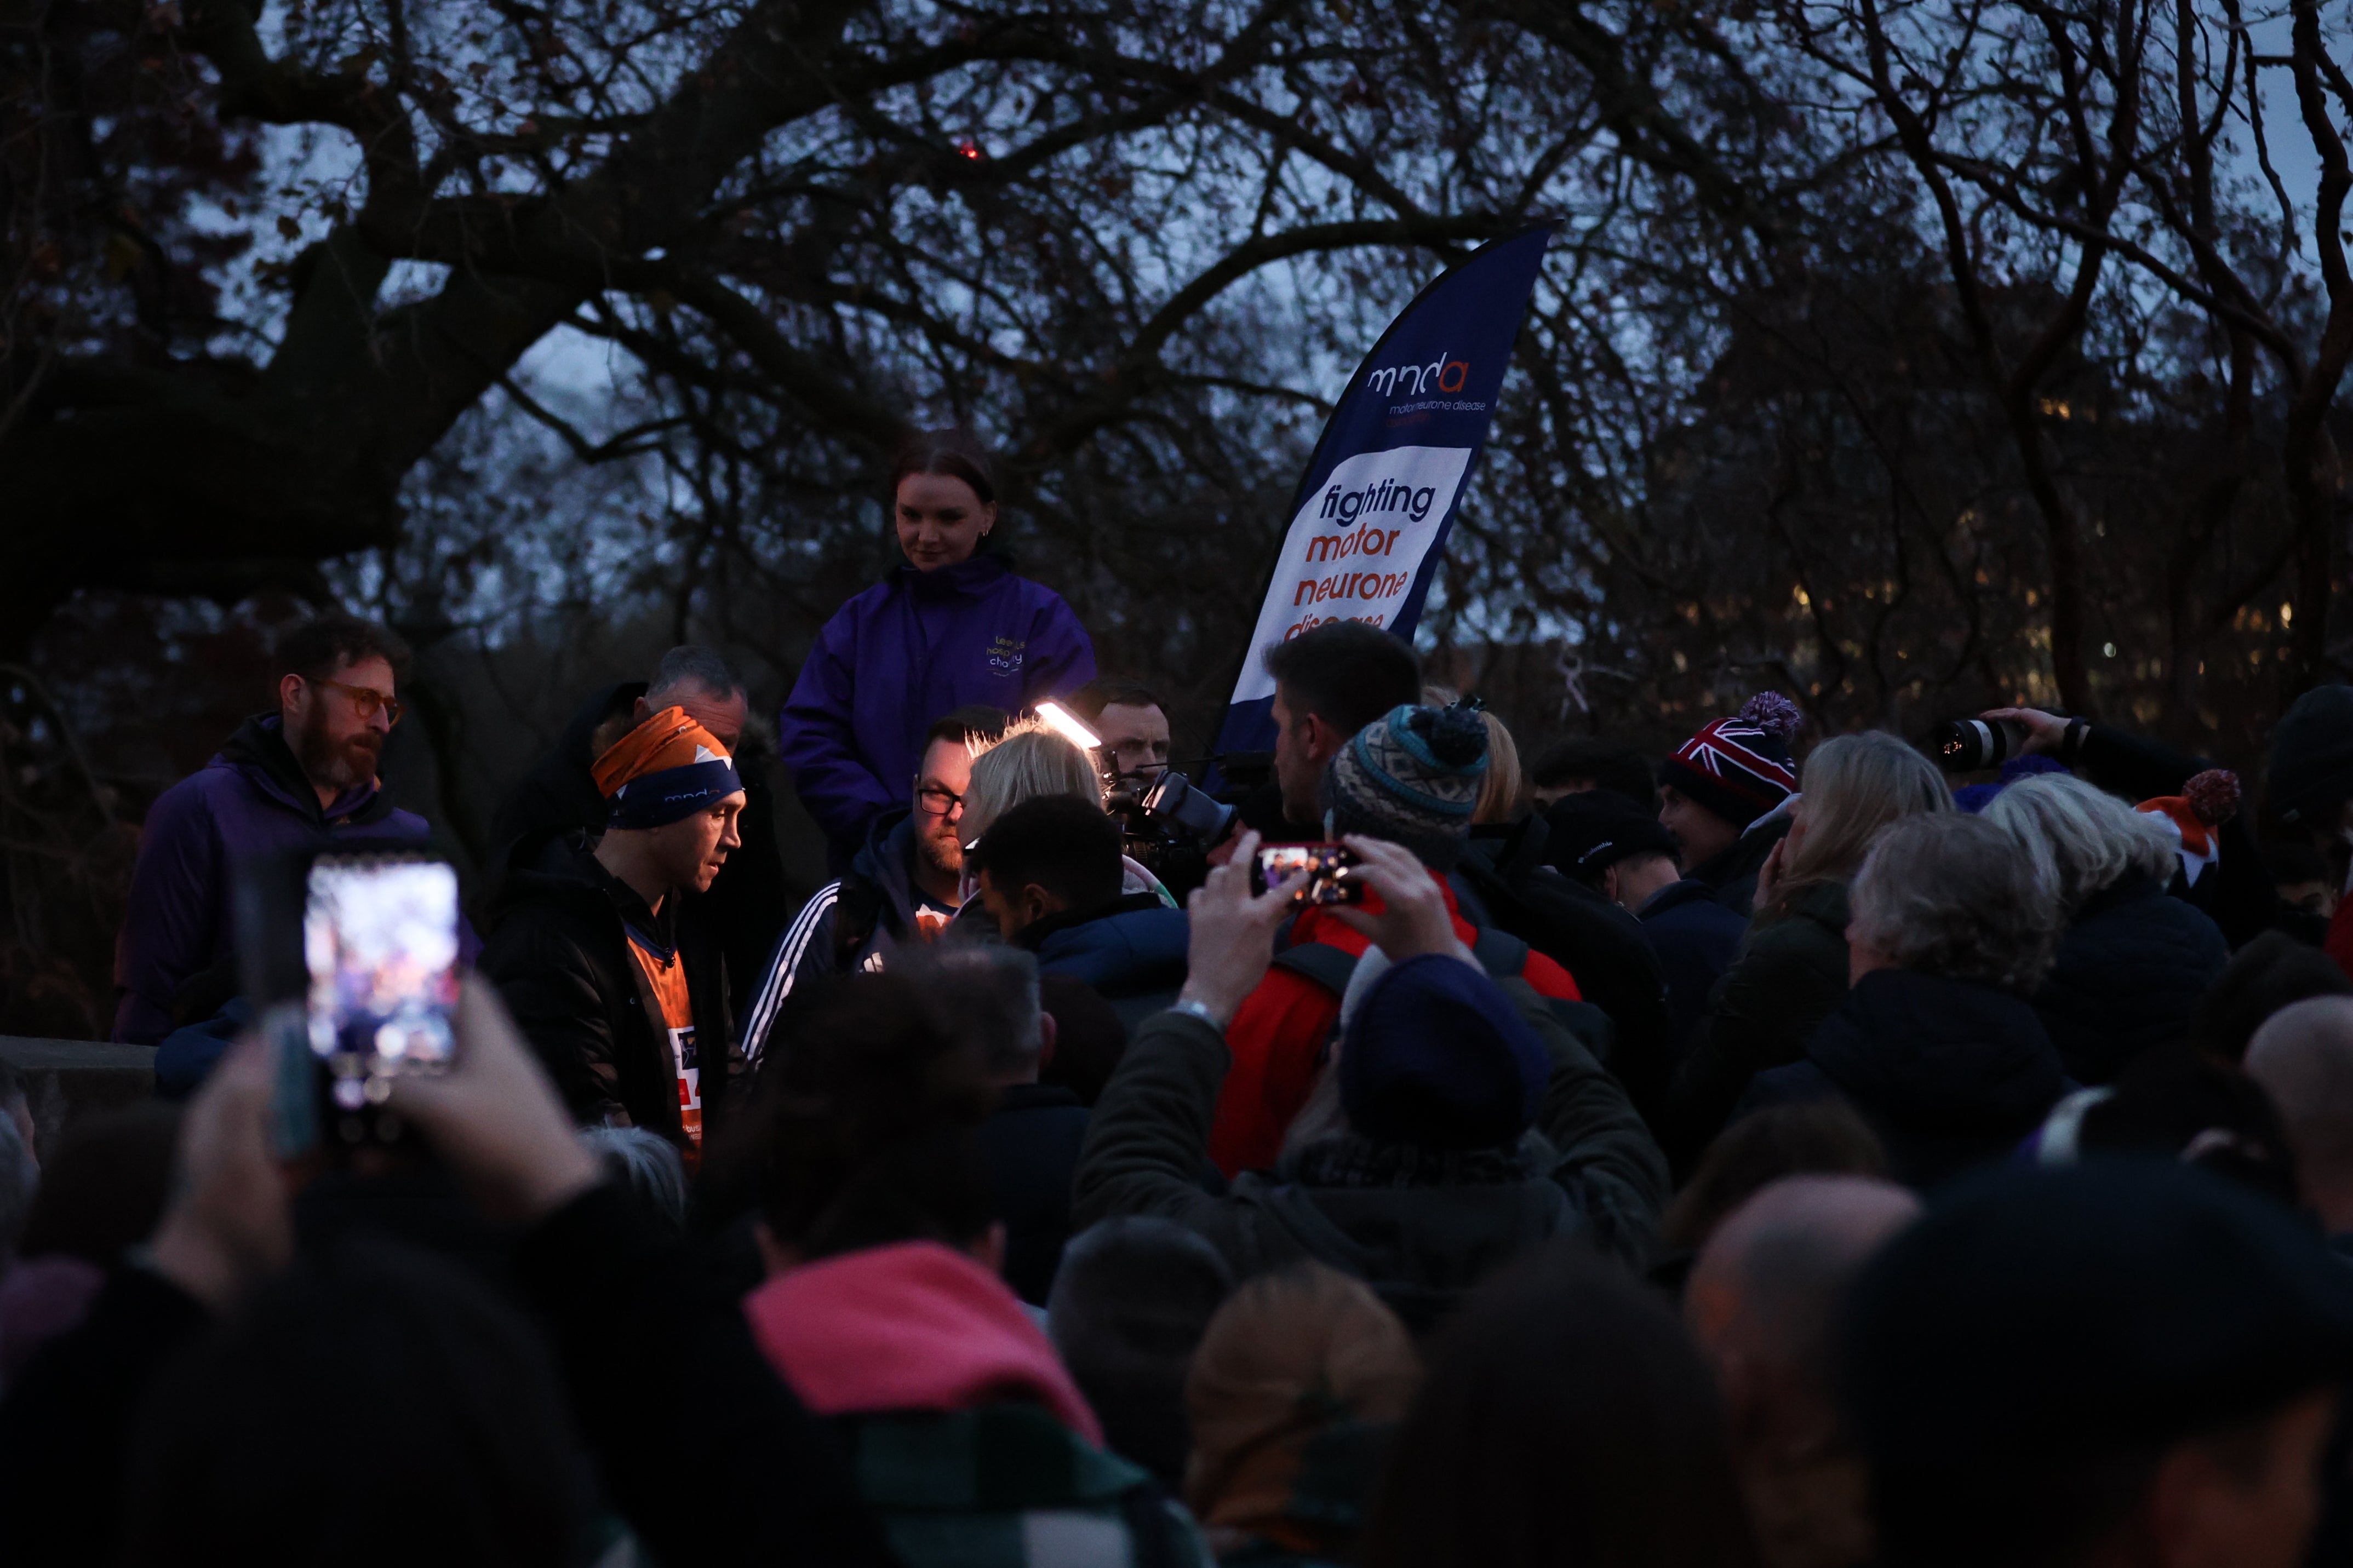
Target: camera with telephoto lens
[1968, 745]
[1168, 826]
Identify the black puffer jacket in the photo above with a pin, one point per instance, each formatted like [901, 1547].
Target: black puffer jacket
[748, 903]
[559, 958]
[2132, 967]
[1948, 1072]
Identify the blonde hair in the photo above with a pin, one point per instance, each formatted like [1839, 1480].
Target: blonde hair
[1501, 791]
[1853, 787]
[1504, 787]
[2087, 839]
[1028, 760]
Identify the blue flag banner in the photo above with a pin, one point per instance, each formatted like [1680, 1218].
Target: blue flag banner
[1369, 524]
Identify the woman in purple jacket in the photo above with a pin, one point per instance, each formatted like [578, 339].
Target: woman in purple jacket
[954, 625]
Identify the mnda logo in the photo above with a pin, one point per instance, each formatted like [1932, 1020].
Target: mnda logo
[1442, 374]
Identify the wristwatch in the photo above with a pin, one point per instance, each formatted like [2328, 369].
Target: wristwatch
[1198, 1009]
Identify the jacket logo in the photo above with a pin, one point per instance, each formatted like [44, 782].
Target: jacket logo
[1005, 655]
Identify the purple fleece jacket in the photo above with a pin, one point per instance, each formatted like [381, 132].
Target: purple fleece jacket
[251, 799]
[901, 653]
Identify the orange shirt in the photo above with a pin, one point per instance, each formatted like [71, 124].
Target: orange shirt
[665, 976]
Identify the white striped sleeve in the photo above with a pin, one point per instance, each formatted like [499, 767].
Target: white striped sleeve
[777, 983]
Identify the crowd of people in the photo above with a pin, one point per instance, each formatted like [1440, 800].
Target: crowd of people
[1773, 1154]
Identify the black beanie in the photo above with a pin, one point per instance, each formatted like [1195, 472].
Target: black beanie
[2312, 755]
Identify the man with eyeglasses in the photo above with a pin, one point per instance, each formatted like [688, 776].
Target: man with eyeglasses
[902, 886]
[303, 775]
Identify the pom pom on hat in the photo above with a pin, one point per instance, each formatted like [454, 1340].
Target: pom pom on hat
[2213, 795]
[1773, 714]
[1739, 767]
[1411, 776]
[2208, 801]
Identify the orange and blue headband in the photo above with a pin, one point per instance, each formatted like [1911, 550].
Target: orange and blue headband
[667, 768]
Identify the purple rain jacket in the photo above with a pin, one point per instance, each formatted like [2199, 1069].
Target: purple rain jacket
[251, 799]
[899, 655]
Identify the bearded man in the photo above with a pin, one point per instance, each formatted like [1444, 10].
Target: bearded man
[301, 776]
[902, 887]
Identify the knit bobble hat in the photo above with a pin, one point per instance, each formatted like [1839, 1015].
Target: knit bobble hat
[1438, 1056]
[1739, 767]
[2205, 802]
[1412, 777]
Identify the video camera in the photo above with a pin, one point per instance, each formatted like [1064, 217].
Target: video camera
[1168, 825]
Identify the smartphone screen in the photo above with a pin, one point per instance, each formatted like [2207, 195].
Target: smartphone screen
[1328, 866]
[380, 940]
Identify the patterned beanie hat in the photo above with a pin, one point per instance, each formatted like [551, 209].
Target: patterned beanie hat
[1410, 776]
[1739, 767]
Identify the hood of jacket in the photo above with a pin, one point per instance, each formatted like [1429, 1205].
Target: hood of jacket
[564, 869]
[886, 863]
[1826, 904]
[557, 795]
[913, 1326]
[1732, 870]
[258, 753]
[1935, 1054]
[1134, 943]
[1420, 1248]
[580, 730]
[2132, 967]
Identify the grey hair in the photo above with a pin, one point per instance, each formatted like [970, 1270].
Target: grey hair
[994, 991]
[1029, 760]
[2090, 838]
[1954, 895]
[2303, 1058]
[645, 1163]
[691, 663]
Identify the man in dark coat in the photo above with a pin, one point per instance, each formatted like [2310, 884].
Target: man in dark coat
[1031, 1139]
[1428, 1181]
[602, 951]
[1050, 873]
[1627, 856]
[1936, 1044]
[301, 776]
[1721, 796]
[747, 907]
[902, 887]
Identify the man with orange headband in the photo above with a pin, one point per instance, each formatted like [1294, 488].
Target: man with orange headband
[601, 951]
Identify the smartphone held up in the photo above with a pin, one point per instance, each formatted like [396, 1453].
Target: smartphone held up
[359, 955]
[1330, 868]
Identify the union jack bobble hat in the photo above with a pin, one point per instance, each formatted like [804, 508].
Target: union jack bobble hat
[1739, 767]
